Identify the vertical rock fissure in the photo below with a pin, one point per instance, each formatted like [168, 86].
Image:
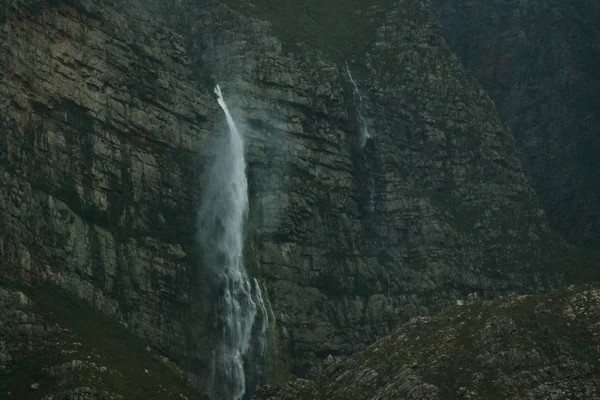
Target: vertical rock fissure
[238, 303]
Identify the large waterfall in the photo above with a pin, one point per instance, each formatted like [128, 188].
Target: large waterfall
[238, 304]
[363, 128]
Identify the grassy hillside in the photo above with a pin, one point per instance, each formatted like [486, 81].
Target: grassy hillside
[62, 345]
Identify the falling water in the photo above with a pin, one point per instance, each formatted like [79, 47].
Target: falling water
[239, 300]
[371, 195]
[363, 130]
[358, 101]
[264, 320]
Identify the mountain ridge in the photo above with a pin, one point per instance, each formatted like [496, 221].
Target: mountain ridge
[513, 347]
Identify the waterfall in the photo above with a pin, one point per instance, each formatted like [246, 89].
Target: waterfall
[363, 128]
[366, 164]
[238, 304]
[264, 320]
[371, 195]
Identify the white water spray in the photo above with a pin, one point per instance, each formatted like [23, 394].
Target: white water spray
[221, 235]
[363, 128]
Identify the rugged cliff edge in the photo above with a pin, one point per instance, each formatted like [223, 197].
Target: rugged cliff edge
[107, 119]
[517, 347]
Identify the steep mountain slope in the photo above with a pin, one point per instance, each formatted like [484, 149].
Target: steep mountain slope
[517, 347]
[107, 119]
[53, 348]
[540, 62]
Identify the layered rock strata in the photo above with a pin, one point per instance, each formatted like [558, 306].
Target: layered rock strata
[107, 120]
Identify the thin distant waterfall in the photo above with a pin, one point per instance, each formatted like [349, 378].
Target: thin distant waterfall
[363, 128]
[371, 195]
[238, 304]
[366, 163]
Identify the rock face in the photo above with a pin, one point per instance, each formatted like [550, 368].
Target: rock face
[517, 347]
[56, 351]
[101, 126]
[540, 62]
[107, 120]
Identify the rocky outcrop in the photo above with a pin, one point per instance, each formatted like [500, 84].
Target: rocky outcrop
[540, 62]
[52, 349]
[516, 347]
[107, 120]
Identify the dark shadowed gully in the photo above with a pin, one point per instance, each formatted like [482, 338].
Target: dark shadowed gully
[540, 62]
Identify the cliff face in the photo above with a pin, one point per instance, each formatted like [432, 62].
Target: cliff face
[517, 347]
[107, 121]
[353, 241]
[540, 62]
[101, 130]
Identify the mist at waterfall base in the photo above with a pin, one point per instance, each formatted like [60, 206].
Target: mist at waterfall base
[238, 305]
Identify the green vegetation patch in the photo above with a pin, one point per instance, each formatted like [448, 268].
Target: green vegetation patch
[131, 371]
